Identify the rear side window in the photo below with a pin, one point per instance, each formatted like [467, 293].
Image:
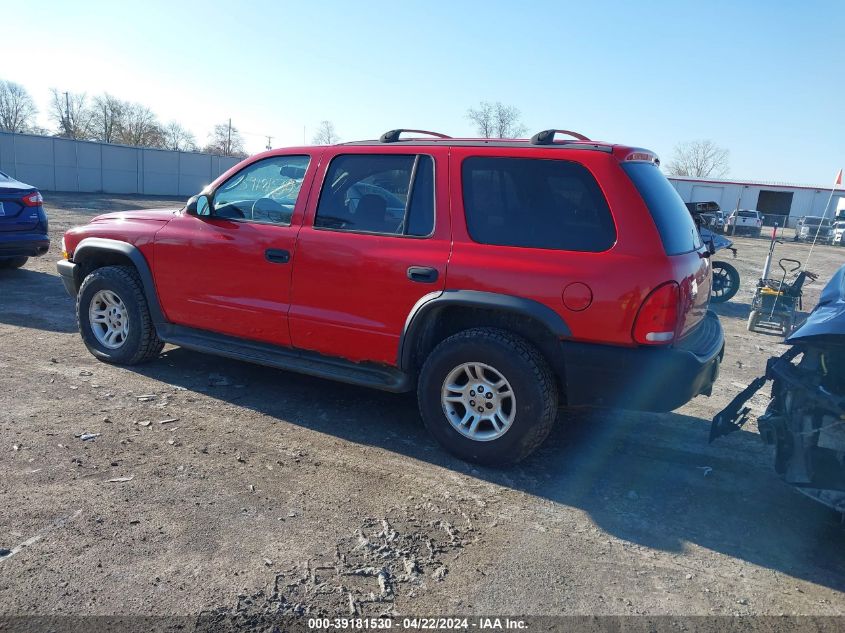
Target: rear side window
[674, 223]
[389, 194]
[535, 203]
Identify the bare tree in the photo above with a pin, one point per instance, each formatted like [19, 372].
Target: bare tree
[482, 118]
[326, 134]
[496, 120]
[70, 112]
[107, 114]
[225, 140]
[178, 138]
[139, 126]
[700, 159]
[17, 110]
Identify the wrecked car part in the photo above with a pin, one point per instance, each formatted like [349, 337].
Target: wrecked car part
[805, 418]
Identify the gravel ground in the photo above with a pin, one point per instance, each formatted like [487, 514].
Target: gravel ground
[219, 487]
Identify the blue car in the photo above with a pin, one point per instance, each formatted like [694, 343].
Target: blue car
[23, 223]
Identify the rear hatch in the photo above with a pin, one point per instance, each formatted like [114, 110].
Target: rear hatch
[690, 269]
[14, 215]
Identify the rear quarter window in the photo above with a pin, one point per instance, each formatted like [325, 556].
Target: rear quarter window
[671, 217]
[535, 203]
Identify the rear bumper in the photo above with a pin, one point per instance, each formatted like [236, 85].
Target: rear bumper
[643, 378]
[18, 244]
[744, 230]
[67, 272]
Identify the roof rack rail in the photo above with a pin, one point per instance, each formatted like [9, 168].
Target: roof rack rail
[547, 137]
[393, 135]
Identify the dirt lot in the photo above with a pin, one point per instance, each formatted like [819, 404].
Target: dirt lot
[273, 491]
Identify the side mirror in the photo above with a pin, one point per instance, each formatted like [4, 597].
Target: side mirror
[199, 206]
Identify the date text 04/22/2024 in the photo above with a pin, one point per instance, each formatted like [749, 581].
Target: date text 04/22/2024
[421, 623]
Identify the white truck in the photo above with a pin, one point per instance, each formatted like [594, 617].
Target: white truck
[745, 221]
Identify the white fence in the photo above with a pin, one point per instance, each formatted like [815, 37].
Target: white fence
[58, 164]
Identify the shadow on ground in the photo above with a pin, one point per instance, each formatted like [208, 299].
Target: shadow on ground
[732, 310]
[36, 300]
[650, 479]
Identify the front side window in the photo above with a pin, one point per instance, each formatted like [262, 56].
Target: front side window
[265, 191]
[535, 203]
[383, 193]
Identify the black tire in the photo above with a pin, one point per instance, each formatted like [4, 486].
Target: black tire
[12, 262]
[753, 317]
[533, 384]
[725, 282]
[142, 342]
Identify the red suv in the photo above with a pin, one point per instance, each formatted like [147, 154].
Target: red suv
[501, 279]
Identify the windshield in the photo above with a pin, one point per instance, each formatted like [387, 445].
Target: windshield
[815, 221]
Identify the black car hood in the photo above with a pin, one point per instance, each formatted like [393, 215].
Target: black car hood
[828, 317]
[719, 241]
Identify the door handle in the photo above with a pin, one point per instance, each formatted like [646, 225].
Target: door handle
[277, 255]
[422, 274]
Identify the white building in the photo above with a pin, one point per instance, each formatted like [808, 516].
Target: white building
[776, 201]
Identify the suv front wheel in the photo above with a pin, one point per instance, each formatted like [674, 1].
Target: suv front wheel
[487, 396]
[113, 317]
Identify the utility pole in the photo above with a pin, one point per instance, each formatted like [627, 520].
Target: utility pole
[269, 147]
[67, 116]
[229, 139]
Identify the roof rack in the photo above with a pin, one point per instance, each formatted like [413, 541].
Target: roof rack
[393, 135]
[547, 137]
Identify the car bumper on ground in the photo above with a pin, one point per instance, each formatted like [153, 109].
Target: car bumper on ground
[67, 273]
[643, 378]
[14, 244]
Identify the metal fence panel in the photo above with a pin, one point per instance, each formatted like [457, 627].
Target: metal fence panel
[57, 164]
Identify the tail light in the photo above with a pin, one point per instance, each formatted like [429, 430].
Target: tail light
[32, 199]
[657, 320]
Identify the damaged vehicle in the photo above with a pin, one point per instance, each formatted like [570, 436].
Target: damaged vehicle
[805, 419]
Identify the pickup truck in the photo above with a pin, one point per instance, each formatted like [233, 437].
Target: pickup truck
[746, 221]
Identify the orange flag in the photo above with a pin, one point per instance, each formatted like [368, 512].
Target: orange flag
[838, 179]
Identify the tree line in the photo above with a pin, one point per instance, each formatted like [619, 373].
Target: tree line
[107, 119]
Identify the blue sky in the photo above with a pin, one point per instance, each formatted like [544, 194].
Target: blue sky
[764, 79]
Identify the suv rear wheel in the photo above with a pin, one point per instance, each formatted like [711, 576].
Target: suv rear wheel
[114, 319]
[487, 396]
